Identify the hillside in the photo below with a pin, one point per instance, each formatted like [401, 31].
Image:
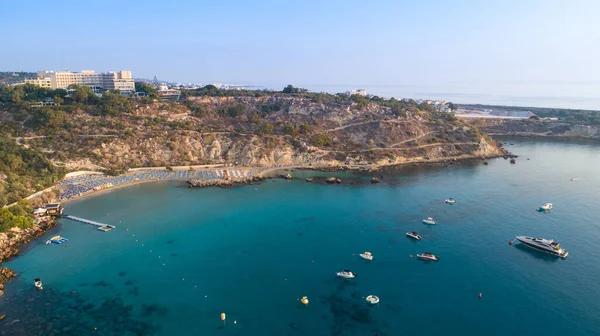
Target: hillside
[251, 128]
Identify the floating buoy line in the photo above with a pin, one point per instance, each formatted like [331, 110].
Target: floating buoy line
[163, 264]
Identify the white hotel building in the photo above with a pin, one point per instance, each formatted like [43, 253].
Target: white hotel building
[112, 80]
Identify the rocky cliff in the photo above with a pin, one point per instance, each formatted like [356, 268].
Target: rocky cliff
[537, 128]
[262, 131]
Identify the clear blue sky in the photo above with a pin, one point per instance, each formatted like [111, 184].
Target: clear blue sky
[326, 42]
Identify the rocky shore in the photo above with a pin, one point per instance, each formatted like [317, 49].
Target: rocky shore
[11, 241]
[199, 183]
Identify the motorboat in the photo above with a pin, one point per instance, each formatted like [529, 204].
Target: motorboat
[346, 274]
[450, 201]
[366, 255]
[38, 283]
[545, 207]
[428, 256]
[372, 299]
[56, 240]
[544, 245]
[413, 235]
[304, 300]
[429, 221]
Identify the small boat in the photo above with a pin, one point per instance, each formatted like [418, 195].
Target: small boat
[304, 300]
[574, 179]
[485, 163]
[428, 256]
[545, 207]
[38, 283]
[544, 245]
[309, 179]
[57, 240]
[413, 235]
[513, 161]
[346, 274]
[429, 221]
[450, 200]
[372, 299]
[366, 255]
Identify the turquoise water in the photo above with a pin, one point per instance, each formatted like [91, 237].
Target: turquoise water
[252, 251]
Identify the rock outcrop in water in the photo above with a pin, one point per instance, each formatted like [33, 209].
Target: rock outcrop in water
[201, 183]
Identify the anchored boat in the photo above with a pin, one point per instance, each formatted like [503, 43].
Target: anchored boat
[38, 283]
[366, 255]
[346, 274]
[428, 256]
[545, 207]
[429, 221]
[372, 299]
[450, 200]
[413, 235]
[544, 245]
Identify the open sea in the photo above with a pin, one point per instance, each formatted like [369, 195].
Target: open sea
[179, 257]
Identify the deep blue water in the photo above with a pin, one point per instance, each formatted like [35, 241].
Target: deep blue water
[179, 257]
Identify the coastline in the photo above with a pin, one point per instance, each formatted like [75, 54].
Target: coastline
[18, 241]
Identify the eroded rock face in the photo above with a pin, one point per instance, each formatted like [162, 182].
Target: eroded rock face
[334, 133]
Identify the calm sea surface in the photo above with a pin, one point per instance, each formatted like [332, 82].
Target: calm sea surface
[179, 257]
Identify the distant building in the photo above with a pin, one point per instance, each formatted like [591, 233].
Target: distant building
[165, 93]
[113, 80]
[361, 92]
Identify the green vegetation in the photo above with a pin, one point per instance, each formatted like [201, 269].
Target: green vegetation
[291, 89]
[322, 139]
[23, 171]
[266, 128]
[149, 90]
[9, 220]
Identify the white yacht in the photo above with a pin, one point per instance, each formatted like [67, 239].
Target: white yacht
[545, 207]
[429, 221]
[367, 255]
[544, 245]
[413, 235]
[38, 283]
[428, 256]
[346, 274]
[450, 201]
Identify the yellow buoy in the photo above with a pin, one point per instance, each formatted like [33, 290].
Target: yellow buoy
[223, 317]
[304, 300]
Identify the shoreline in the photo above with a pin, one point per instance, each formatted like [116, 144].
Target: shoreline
[16, 243]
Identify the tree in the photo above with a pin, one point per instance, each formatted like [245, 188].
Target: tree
[292, 89]
[237, 110]
[149, 90]
[305, 128]
[267, 128]
[452, 106]
[58, 100]
[290, 129]
[322, 139]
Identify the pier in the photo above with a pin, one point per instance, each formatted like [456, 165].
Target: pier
[101, 226]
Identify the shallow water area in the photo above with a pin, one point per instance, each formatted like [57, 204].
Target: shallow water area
[179, 257]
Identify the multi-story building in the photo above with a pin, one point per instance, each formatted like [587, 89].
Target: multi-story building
[121, 80]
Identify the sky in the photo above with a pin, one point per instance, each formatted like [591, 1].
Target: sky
[549, 47]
